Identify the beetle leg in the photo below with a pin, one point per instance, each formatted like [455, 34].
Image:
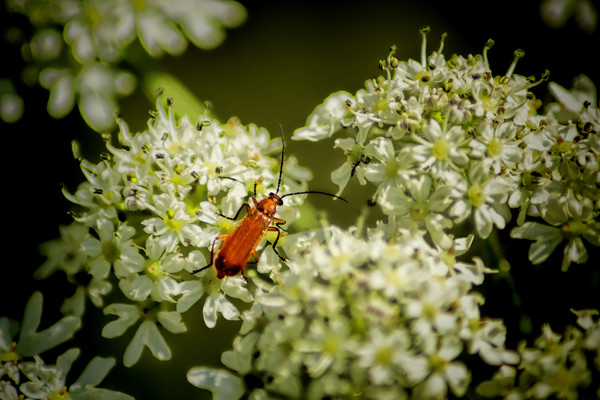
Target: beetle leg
[253, 254]
[212, 251]
[354, 168]
[278, 223]
[273, 228]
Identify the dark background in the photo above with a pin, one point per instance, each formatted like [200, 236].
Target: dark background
[274, 69]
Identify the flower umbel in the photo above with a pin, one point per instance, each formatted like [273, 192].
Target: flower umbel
[384, 325]
[388, 310]
[476, 138]
[150, 212]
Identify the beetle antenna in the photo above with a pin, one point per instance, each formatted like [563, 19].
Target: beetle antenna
[281, 173]
[316, 192]
[282, 157]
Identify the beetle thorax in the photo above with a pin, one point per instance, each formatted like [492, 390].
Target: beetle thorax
[269, 205]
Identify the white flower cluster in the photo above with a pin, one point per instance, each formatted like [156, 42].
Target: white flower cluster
[556, 367]
[97, 35]
[446, 141]
[389, 314]
[24, 379]
[395, 316]
[361, 318]
[149, 214]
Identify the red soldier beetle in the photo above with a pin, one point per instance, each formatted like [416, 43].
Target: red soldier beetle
[241, 243]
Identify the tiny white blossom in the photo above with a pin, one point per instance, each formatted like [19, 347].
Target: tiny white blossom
[497, 147]
[440, 149]
[485, 197]
[446, 372]
[326, 119]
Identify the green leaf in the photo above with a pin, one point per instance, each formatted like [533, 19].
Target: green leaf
[184, 101]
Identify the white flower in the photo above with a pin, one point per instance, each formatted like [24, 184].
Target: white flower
[421, 206]
[497, 147]
[546, 238]
[440, 149]
[147, 334]
[338, 320]
[158, 275]
[114, 247]
[325, 346]
[445, 371]
[388, 169]
[342, 254]
[380, 355]
[103, 186]
[48, 381]
[485, 197]
[326, 119]
[216, 302]
[430, 310]
[341, 175]
[486, 336]
[173, 224]
[64, 253]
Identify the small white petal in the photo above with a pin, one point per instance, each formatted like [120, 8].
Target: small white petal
[209, 311]
[223, 384]
[340, 176]
[192, 292]
[433, 388]
[128, 315]
[458, 378]
[146, 335]
[172, 322]
[138, 288]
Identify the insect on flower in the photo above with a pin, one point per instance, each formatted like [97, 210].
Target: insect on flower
[241, 243]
